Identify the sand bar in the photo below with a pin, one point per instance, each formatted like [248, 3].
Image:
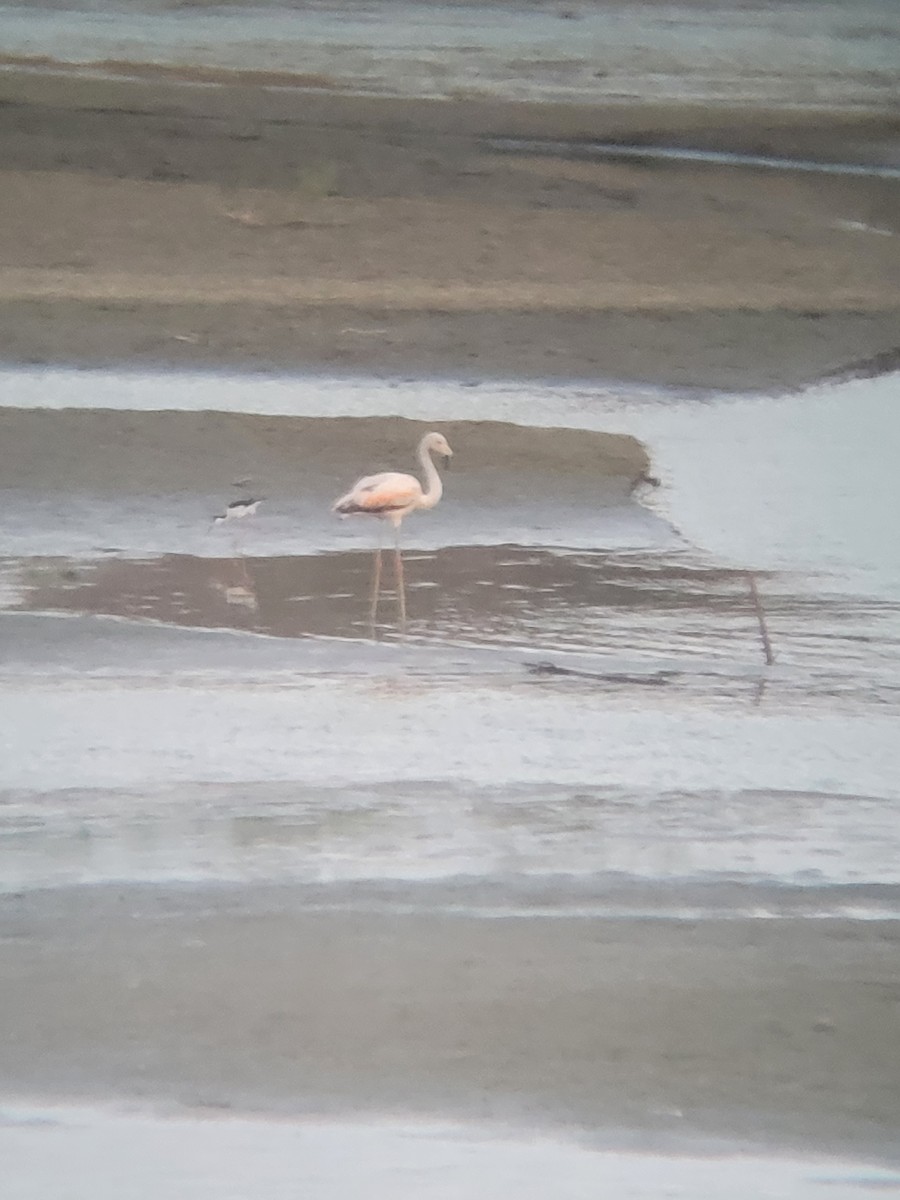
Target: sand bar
[156, 222]
[782, 1031]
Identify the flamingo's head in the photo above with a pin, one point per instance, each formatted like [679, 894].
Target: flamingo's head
[436, 443]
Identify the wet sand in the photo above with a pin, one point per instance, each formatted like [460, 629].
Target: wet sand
[782, 1032]
[152, 222]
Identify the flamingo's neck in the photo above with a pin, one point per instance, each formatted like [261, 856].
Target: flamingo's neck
[434, 489]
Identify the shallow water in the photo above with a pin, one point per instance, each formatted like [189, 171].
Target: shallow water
[784, 53]
[581, 694]
[667, 620]
[648, 153]
[93, 1154]
[611, 849]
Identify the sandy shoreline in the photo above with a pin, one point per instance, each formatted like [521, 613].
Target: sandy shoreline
[782, 1032]
[156, 223]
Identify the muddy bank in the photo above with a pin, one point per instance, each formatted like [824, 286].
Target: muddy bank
[100, 481]
[730, 350]
[158, 223]
[229, 998]
[160, 451]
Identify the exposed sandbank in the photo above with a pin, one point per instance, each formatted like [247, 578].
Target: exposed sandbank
[235, 997]
[152, 222]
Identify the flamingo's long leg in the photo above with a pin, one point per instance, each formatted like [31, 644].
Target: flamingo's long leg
[376, 590]
[401, 586]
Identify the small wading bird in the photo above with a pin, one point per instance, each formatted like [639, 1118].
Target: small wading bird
[237, 509]
[391, 496]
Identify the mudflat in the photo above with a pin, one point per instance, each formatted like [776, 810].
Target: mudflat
[155, 222]
[243, 997]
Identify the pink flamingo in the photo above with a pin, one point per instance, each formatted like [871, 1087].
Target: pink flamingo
[391, 496]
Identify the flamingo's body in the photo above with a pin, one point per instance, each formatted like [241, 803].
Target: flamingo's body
[391, 496]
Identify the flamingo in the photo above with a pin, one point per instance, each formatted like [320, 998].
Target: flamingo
[391, 496]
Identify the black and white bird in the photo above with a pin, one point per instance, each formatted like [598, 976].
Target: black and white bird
[236, 510]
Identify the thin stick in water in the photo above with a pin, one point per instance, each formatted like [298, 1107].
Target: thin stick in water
[761, 617]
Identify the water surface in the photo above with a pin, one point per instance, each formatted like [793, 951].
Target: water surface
[145, 1156]
[812, 54]
[581, 696]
